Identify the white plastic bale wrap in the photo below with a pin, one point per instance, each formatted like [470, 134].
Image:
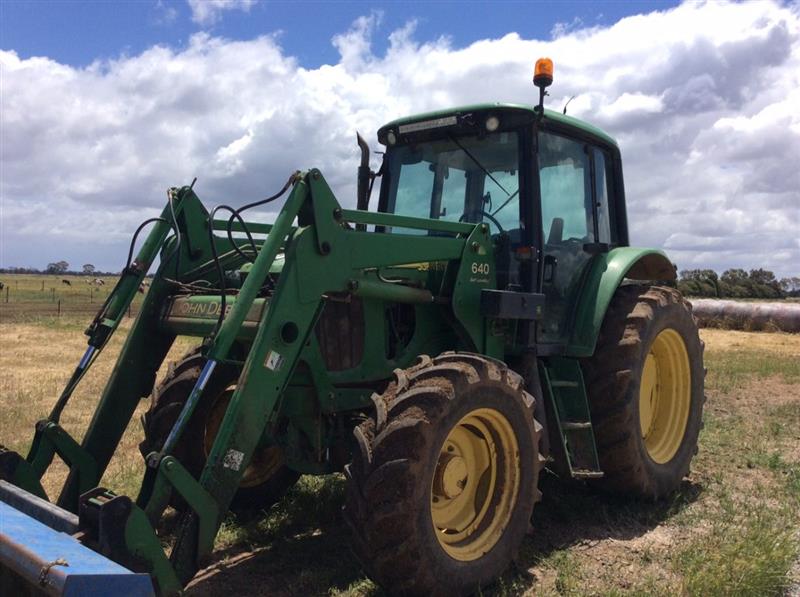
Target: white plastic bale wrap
[749, 316]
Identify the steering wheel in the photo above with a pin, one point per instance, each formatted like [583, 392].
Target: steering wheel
[486, 215]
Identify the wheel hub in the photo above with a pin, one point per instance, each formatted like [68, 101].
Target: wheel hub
[475, 484]
[665, 396]
[451, 476]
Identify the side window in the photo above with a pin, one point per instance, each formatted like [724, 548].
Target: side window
[564, 177]
[601, 179]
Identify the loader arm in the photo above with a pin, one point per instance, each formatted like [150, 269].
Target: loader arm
[329, 252]
[338, 255]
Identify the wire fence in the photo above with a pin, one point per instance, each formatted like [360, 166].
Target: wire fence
[24, 304]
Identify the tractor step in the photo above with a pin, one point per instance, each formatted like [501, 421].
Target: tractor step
[39, 555]
[582, 474]
[564, 382]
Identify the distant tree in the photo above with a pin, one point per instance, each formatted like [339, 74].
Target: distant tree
[765, 283]
[735, 283]
[689, 288]
[88, 269]
[791, 286]
[699, 282]
[735, 277]
[59, 267]
[762, 276]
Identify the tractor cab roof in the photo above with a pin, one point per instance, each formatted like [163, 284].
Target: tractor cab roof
[512, 114]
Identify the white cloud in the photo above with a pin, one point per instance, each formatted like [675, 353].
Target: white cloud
[163, 14]
[702, 98]
[208, 12]
[562, 28]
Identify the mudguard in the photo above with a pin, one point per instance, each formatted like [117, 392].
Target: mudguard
[605, 274]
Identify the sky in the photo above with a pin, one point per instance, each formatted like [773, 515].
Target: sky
[104, 105]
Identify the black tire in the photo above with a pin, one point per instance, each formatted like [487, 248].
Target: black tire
[398, 457]
[634, 321]
[167, 402]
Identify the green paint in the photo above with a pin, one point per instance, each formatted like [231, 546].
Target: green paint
[605, 275]
[498, 108]
[564, 386]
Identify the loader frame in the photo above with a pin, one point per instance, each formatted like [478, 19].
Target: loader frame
[344, 260]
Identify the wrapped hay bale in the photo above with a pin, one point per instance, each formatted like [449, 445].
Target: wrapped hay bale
[735, 315]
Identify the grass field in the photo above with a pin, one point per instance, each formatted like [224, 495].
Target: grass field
[732, 529]
[29, 297]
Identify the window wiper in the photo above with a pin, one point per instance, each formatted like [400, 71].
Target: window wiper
[477, 163]
[506, 202]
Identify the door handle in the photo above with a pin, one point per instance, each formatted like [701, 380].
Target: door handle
[550, 263]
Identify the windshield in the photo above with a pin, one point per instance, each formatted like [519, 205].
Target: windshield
[465, 179]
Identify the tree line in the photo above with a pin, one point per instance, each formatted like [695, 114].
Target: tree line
[58, 268]
[737, 283]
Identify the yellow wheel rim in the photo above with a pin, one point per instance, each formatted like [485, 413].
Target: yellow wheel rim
[475, 484]
[665, 395]
[265, 462]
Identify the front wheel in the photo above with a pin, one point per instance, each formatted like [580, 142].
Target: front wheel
[443, 481]
[265, 479]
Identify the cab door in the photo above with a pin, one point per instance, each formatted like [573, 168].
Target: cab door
[575, 225]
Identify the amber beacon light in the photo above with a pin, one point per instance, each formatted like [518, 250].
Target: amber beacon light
[543, 73]
[542, 78]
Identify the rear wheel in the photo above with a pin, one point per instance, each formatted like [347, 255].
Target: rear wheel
[645, 386]
[443, 481]
[265, 479]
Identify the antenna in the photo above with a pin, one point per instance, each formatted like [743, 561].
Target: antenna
[567, 104]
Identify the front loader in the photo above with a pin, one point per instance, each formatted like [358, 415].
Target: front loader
[487, 319]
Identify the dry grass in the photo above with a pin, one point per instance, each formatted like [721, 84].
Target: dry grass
[774, 344]
[36, 361]
[730, 530]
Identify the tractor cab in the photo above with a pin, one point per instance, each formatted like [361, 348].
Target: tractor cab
[548, 186]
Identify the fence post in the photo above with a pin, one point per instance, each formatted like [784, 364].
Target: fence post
[7, 289]
[59, 307]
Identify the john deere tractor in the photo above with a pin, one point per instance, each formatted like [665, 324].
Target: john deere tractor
[486, 318]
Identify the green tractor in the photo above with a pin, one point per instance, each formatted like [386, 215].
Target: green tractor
[488, 319]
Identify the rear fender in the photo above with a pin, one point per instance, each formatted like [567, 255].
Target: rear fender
[605, 275]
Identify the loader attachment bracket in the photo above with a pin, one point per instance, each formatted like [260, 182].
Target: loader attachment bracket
[54, 439]
[123, 534]
[172, 476]
[19, 472]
